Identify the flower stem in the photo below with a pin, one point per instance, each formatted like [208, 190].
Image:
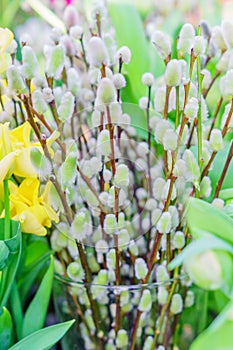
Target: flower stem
[219, 184]
[7, 228]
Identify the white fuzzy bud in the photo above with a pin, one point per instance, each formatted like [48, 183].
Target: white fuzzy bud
[170, 140]
[119, 81]
[199, 45]
[223, 63]
[125, 54]
[121, 339]
[133, 248]
[76, 32]
[97, 52]
[55, 61]
[75, 271]
[48, 95]
[176, 304]
[106, 92]
[70, 16]
[162, 274]
[158, 188]
[159, 99]
[66, 108]
[160, 129]
[110, 224]
[189, 299]
[115, 112]
[216, 140]
[111, 259]
[15, 80]
[218, 203]
[103, 143]
[206, 78]
[30, 63]
[38, 102]
[141, 268]
[162, 43]
[193, 170]
[101, 246]
[73, 81]
[217, 39]
[143, 102]
[173, 73]
[179, 240]
[227, 31]
[148, 79]
[165, 222]
[185, 40]
[205, 187]
[122, 176]
[145, 301]
[174, 216]
[148, 344]
[229, 83]
[162, 295]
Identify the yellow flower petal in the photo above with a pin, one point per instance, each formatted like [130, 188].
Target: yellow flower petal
[29, 224]
[5, 144]
[28, 192]
[23, 165]
[20, 136]
[7, 166]
[3, 63]
[6, 37]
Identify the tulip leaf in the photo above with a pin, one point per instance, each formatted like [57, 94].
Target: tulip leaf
[6, 330]
[219, 334]
[216, 171]
[8, 273]
[204, 216]
[37, 309]
[199, 246]
[45, 338]
[226, 194]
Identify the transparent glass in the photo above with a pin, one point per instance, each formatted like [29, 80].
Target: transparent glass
[103, 311]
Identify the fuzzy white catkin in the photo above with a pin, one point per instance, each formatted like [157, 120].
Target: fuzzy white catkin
[148, 79]
[141, 268]
[103, 143]
[173, 73]
[122, 176]
[229, 83]
[125, 54]
[119, 81]
[97, 52]
[170, 140]
[162, 274]
[179, 240]
[110, 224]
[227, 31]
[191, 108]
[106, 92]
[185, 40]
[206, 78]
[164, 223]
[145, 302]
[162, 43]
[216, 140]
[159, 99]
[199, 45]
[176, 304]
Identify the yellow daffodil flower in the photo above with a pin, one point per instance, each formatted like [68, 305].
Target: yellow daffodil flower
[33, 211]
[6, 37]
[15, 151]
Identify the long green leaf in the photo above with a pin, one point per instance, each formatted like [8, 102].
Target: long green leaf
[16, 309]
[38, 307]
[45, 338]
[6, 330]
[204, 216]
[219, 334]
[14, 245]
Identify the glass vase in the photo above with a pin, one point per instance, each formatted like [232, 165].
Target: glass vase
[135, 317]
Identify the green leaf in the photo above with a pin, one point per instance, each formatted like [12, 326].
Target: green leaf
[38, 307]
[226, 194]
[45, 338]
[16, 309]
[14, 245]
[4, 253]
[204, 216]
[219, 334]
[216, 171]
[6, 330]
[202, 244]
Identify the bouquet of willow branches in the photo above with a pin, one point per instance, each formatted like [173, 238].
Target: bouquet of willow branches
[120, 198]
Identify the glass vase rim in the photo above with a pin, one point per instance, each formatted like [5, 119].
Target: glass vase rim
[136, 286]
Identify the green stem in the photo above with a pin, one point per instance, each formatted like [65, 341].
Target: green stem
[7, 228]
[199, 125]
